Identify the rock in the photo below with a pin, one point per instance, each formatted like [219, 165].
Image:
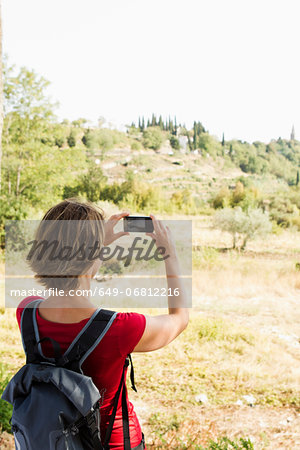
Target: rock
[249, 399]
[201, 398]
[239, 402]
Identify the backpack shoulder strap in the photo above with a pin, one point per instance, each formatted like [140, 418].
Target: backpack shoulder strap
[29, 330]
[88, 339]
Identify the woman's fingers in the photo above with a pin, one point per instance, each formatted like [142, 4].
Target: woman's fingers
[116, 217]
[155, 223]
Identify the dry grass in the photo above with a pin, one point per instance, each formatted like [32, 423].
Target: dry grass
[243, 338]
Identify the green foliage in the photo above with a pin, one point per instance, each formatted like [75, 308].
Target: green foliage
[34, 168]
[217, 329]
[243, 224]
[224, 443]
[90, 185]
[183, 201]
[284, 207]
[89, 139]
[136, 145]
[174, 142]
[132, 193]
[14, 209]
[208, 144]
[5, 407]
[222, 198]
[71, 139]
[103, 139]
[59, 135]
[153, 138]
[240, 196]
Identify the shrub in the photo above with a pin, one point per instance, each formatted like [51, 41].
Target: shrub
[91, 184]
[222, 198]
[71, 139]
[5, 408]
[174, 142]
[136, 145]
[153, 138]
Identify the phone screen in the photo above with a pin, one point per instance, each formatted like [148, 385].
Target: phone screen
[136, 224]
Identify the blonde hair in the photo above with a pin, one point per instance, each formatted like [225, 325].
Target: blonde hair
[84, 230]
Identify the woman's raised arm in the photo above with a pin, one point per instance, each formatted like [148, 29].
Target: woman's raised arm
[162, 329]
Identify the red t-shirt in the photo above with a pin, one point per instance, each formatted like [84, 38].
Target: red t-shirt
[104, 365]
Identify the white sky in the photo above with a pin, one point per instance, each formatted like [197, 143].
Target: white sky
[232, 64]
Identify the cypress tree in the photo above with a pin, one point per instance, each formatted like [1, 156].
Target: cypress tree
[298, 178]
[148, 123]
[189, 142]
[195, 136]
[143, 124]
[175, 126]
[160, 123]
[223, 140]
[153, 120]
[139, 123]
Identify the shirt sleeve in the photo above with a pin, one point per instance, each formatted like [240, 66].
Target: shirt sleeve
[131, 328]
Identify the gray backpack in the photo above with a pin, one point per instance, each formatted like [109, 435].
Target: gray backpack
[56, 406]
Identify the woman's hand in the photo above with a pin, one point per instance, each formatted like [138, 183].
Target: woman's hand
[163, 237]
[110, 235]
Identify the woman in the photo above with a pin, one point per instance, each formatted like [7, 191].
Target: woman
[63, 317]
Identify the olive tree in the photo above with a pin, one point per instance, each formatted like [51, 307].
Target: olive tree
[242, 225]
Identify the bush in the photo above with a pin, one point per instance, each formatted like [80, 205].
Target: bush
[136, 145]
[153, 138]
[224, 443]
[222, 198]
[12, 208]
[5, 407]
[71, 139]
[295, 221]
[174, 142]
[183, 201]
[90, 184]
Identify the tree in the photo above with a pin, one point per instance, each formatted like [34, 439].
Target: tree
[92, 183]
[223, 140]
[297, 178]
[72, 138]
[195, 136]
[152, 138]
[241, 224]
[1, 94]
[160, 123]
[34, 168]
[174, 142]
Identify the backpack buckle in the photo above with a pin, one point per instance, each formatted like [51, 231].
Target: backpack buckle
[74, 430]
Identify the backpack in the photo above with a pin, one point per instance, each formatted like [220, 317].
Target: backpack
[56, 406]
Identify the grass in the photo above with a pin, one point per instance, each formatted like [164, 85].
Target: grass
[243, 338]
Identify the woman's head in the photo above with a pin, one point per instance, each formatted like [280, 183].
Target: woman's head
[67, 241]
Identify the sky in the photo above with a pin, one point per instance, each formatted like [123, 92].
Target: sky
[233, 65]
